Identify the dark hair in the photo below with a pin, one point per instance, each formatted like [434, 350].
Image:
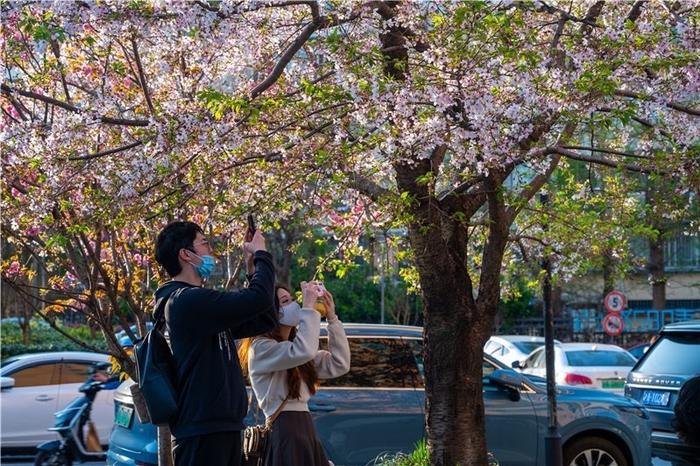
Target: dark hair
[306, 371]
[687, 411]
[171, 239]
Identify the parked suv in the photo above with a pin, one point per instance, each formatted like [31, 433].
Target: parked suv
[656, 380]
[378, 408]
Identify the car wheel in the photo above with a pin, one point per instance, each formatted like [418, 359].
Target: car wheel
[593, 451]
[52, 458]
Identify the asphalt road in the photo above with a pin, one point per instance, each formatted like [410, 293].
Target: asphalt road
[656, 462]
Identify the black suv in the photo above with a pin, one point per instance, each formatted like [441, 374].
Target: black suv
[656, 380]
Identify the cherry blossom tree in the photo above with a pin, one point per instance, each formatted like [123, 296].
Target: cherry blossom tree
[444, 117]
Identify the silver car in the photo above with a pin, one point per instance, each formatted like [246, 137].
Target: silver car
[35, 386]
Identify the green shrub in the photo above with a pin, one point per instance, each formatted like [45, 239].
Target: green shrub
[44, 338]
[419, 457]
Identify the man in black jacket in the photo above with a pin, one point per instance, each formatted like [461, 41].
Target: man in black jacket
[203, 324]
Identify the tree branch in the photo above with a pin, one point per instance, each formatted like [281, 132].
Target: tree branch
[277, 71]
[106, 152]
[57, 53]
[72, 108]
[142, 76]
[642, 121]
[531, 189]
[636, 11]
[673, 105]
[608, 163]
[606, 151]
[366, 186]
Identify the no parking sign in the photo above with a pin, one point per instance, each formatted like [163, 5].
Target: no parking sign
[613, 324]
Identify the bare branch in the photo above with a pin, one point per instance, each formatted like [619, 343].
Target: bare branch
[600, 161]
[366, 186]
[673, 105]
[277, 71]
[606, 151]
[106, 152]
[557, 35]
[542, 6]
[142, 76]
[55, 48]
[531, 189]
[636, 11]
[10, 116]
[642, 121]
[591, 16]
[72, 108]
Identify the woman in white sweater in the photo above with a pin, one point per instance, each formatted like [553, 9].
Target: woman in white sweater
[285, 366]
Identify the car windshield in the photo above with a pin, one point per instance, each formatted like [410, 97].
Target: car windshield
[581, 358]
[527, 347]
[673, 354]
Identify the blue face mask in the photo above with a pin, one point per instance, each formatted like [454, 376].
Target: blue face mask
[206, 266]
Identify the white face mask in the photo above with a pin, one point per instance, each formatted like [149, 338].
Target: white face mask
[290, 314]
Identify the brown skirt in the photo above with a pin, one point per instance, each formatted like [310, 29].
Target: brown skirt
[293, 442]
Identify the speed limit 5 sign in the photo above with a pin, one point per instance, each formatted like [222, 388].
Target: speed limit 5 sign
[615, 301]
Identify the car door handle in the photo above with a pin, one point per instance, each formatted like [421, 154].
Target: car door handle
[321, 407]
[44, 398]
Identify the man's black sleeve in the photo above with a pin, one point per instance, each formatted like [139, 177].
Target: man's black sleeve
[214, 311]
[256, 326]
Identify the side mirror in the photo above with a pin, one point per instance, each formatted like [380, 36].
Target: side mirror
[508, 379]
[7, 383]
[517, 365]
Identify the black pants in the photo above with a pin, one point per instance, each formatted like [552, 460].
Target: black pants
[218, 449]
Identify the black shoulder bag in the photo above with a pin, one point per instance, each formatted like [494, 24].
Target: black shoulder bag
[157, 371]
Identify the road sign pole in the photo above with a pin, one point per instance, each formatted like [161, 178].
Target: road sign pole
[552, 440]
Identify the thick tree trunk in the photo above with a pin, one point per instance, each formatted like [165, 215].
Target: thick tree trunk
[657, 272]
[165, 446]
[456, 325]
[454, 398]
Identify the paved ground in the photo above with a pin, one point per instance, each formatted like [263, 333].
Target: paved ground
[656, 462]
[29, 463]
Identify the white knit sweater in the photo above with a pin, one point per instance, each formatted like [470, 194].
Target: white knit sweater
[268, 361]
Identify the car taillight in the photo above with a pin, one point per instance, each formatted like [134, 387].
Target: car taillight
[577, 379]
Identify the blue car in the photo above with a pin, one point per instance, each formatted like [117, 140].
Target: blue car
[656, 380]
[378, 408]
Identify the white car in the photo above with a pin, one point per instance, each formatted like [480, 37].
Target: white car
[589, 365]
[35, 386]
[510, 348]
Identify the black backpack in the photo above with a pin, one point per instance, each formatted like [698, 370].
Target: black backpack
[157, 371]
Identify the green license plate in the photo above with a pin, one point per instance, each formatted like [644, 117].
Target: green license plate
[614, 383]
[123, 417]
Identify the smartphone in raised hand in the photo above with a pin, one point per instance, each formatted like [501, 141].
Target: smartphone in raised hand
[251, 228]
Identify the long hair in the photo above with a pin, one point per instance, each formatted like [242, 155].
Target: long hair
[306, 372]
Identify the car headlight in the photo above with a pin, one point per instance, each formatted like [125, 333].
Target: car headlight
[634, 410]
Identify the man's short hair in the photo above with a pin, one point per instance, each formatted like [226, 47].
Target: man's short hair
[687, 411]
[172, 238]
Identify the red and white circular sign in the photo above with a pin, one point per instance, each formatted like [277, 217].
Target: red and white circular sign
[613, 324]
[615, 301]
